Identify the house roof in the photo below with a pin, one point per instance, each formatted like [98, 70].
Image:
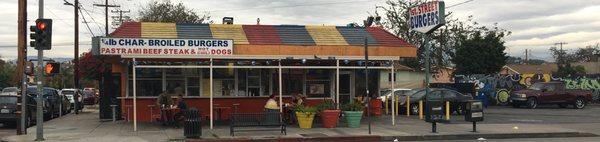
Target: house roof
[532, 69]
[263, 34]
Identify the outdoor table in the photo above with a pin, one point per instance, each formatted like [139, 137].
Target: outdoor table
[169, 114]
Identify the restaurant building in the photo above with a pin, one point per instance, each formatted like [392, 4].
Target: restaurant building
[222, 68]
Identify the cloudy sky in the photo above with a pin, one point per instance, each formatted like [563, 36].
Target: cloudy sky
[536, 24]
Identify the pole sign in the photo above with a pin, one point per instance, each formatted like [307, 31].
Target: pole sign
[172, 47]
[427, 17]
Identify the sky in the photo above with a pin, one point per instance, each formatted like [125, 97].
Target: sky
[536, 25]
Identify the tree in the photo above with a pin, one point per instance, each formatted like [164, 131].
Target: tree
[443, 40]
[564, 59]
[166, 11]
[481, 53]
[7, 71]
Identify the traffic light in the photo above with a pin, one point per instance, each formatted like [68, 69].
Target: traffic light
[52, 68]
[41, 34]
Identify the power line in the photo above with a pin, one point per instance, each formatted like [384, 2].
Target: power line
[92, 17]
[85, 22]
[467, 1]
[287, 6]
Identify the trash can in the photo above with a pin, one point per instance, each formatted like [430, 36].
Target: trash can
[192, 128]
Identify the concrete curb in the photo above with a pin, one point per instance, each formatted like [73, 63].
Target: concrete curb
[370, 138]
[475, 136]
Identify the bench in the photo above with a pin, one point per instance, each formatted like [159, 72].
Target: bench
[271, 120]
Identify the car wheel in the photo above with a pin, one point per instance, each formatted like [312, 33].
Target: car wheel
[515, 105]
[414, 109]
[531, 103]
[579, 103]
[562, 105]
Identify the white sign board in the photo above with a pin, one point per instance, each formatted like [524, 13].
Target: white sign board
[427, 17]
[174, 47]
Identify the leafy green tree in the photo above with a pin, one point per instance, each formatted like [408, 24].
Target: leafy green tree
[7, 73]
[480, 53]
[166, 11]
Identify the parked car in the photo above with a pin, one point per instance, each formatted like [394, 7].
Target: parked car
[10, 91]
[457, 100]
[89, 97]
[8, 109]
[551, 93]
[51, 98]
[69, 93]
[387, 93]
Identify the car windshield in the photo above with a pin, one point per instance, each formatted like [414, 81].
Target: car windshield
[385, 92]
[68, 92]
[10, 89]
[536, 86]
[8, 100]
[417, 93]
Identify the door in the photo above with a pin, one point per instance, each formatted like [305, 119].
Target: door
[346, 87]
[548, 94]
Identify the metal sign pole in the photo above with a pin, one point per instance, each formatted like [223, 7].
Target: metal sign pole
[367, 83]
[40, 59]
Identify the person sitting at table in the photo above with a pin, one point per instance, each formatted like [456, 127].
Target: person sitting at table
[180, 116]
[272, 105]
[164, 101]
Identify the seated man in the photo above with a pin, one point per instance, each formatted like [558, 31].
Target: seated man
[164, 101]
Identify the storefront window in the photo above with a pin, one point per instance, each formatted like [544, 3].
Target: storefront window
[146, 87]
[318, 83]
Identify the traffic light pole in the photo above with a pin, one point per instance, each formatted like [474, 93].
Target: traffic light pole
[39, 81]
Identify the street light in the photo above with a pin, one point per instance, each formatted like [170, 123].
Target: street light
[368, 23]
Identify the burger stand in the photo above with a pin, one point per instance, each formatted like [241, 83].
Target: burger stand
[224, 68]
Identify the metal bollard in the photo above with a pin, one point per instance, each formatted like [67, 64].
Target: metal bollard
[421, 109]
[386, 105]
[447, 110]
[397, 104]
[114, 113]
[407, 105]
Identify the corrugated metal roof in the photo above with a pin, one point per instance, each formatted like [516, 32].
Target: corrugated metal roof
[385, 38]
[159, 30]
[326, 35]
[200, 31]
[234, 32]
[294, 35]
[261, 34]
[356, 36]
[128, 29]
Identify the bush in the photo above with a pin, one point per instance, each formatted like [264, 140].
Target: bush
[305, 109]
[355, 106]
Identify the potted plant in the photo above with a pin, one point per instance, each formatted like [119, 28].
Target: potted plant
[305, 116]
[353, 113]
[329, 114]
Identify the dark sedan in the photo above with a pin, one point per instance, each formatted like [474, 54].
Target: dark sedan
[8, 109]
[457, 100]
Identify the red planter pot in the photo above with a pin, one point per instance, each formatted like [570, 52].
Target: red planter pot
[376, 107]
[330, 118]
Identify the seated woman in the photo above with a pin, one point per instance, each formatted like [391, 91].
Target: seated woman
[180, 116]
[272, 105]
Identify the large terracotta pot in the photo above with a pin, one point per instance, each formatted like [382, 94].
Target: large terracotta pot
[330, 118]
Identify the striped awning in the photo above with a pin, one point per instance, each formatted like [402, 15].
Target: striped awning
[263, 34]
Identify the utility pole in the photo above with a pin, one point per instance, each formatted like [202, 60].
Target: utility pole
[76, 53]
[22, 58]
[526, 56]
[106, 6]
[118, 20]
[560, 56]
[39, 81]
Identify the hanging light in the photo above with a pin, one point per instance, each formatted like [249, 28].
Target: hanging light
[346, 61]
[303, 61]
[253, 63]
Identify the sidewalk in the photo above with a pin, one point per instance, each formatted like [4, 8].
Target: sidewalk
[86, 127]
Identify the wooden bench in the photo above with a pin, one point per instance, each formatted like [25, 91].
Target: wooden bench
[271, 120]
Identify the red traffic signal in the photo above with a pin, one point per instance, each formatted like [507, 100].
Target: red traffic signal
[40, 25]
[41, 34]
[52, 68]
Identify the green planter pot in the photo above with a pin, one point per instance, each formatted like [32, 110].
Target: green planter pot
[353, 118]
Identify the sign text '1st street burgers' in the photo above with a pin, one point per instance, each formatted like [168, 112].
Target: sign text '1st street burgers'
[149, 46]
[427, 17]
